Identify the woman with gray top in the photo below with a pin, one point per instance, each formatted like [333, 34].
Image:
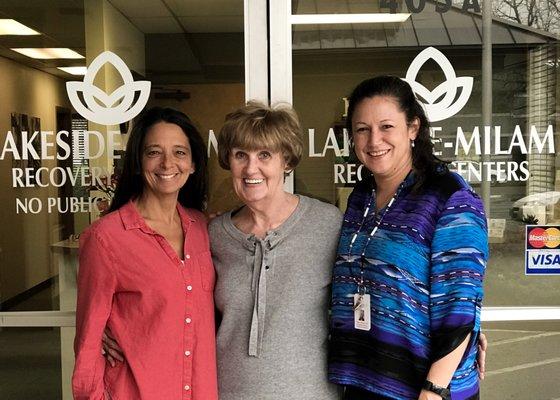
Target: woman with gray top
[273, 259]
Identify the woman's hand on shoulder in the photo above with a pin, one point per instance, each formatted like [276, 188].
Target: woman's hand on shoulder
[214, 214]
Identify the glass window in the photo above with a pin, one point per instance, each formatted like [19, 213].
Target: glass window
[514, 164]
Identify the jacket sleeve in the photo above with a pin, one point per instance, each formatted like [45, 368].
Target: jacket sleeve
[96, 286]
[458, 264]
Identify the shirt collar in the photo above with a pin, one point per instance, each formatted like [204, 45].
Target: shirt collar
[132, 219]
[410, 179]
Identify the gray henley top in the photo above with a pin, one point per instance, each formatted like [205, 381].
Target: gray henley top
[273, 294]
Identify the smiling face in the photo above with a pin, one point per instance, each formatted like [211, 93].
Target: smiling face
[166, 160]
[382, 138]
[258, 175]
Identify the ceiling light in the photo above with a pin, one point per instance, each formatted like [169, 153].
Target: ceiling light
[375, 18]
[74, 70]
[12, 27]
[49, 53]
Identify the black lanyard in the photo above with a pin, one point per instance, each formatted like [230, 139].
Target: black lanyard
[360, 282]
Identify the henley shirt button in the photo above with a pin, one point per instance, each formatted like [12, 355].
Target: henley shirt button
[187, 387]
[188, 320]
[266, 267]
[189, 288]
[187, 256]
[187, 353]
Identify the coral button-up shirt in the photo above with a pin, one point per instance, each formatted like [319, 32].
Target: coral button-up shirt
[160, 310]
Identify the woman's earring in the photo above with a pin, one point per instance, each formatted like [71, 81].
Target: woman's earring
[412, 143]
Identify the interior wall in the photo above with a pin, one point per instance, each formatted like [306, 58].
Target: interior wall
[107, 29]
[25, 239]
[124, 39]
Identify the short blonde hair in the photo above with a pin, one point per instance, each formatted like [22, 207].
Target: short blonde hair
[257, 126]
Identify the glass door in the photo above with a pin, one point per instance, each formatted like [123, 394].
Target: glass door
[57, 180]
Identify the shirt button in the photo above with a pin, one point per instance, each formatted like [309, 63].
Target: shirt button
[188, 320]
[187, 387]
[187, 353]
[187, 256]
[189, 288]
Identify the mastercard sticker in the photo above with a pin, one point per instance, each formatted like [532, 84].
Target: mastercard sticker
[542, 250]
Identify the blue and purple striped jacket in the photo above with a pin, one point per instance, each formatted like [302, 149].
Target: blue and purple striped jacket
[423, 270]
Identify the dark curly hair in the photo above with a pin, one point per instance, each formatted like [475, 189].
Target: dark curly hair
[424, 162]
[131, 185]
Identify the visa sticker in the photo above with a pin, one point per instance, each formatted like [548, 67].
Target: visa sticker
[542, 250]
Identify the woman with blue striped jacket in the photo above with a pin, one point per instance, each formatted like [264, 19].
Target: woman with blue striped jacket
[407, 283]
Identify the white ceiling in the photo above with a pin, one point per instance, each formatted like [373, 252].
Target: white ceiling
[190, 16]
[206, 35]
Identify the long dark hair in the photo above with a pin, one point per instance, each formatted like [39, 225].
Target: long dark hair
[424, 161]
[131, 185]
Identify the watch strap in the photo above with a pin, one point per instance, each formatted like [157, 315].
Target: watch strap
[445, 393]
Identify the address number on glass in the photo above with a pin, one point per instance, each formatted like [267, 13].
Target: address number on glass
[417, 6]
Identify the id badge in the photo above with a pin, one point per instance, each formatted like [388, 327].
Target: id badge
[362, 312]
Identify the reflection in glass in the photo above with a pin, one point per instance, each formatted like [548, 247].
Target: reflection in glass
[517, 156]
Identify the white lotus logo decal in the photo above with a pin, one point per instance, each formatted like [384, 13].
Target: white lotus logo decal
[102, 108]
[445, 92]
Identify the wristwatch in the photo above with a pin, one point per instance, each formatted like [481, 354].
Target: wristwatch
[445, 393]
